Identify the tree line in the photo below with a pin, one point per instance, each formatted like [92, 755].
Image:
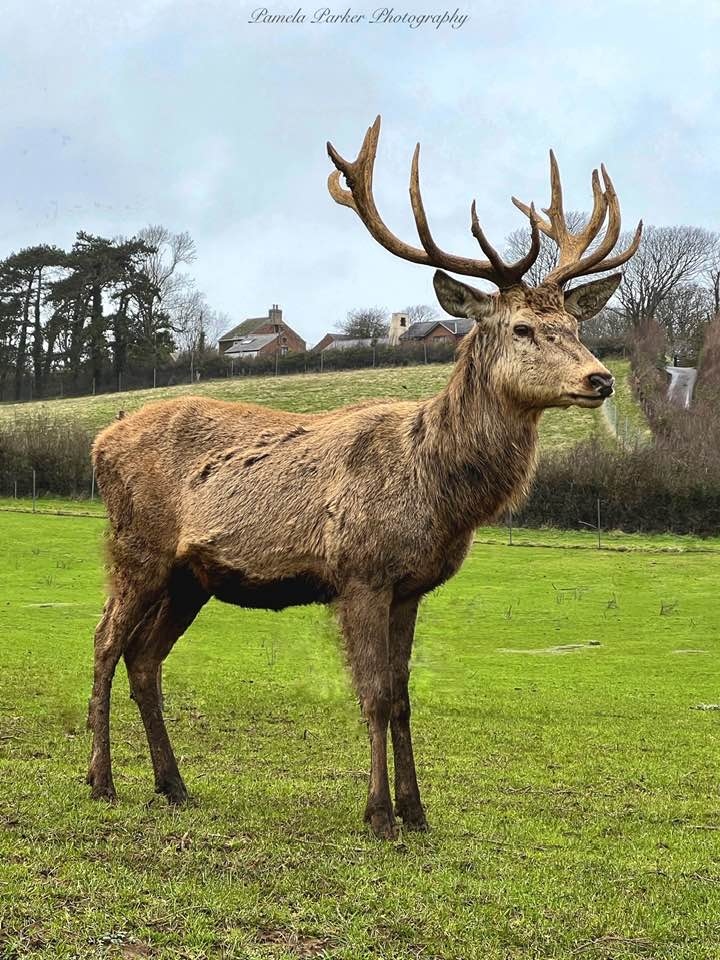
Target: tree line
[98, 311]
[110, 313]
[673, 279]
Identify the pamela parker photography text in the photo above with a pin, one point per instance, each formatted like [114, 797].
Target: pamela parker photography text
[443, 18]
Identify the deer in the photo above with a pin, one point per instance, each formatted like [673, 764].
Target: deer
[367, 508]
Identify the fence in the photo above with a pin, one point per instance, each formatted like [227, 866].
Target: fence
[629, 498]
[212, 365]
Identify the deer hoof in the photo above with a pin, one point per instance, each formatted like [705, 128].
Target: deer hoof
[102, 785]
[382, 823]
[175, 791]
[103, 791]
[413, 817]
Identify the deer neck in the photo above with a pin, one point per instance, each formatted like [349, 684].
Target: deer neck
[473, 449]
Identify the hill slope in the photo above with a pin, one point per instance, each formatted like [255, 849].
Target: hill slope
[309, 392]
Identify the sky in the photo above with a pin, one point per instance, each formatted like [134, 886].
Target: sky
[188, 114]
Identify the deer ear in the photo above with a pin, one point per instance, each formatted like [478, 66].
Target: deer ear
[588, 299]
[461, 300]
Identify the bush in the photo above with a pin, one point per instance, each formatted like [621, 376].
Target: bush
[653, 488]
[58, 451]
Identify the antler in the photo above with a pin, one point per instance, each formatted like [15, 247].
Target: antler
[572, 246]
[359, 197]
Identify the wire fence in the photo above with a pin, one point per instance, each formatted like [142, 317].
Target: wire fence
[213, 365]
[596, 534]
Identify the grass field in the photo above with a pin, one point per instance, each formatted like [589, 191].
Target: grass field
[568, 739]
[311, 392]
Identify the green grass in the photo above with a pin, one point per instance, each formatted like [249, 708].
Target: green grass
[623, 411]
[304, 393]
[569, 776]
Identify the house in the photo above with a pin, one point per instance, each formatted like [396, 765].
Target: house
[343, 341]
[261, 336]
[329, 340]
[247, 348]
[432, 331]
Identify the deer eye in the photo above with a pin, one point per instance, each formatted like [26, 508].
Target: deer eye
[522, 330]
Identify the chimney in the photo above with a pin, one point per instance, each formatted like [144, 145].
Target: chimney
[398, 326]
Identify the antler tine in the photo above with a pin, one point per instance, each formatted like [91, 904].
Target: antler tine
[511, 272]
[571, 246]
[359, 197]
[543, 224]
[620, 258]
[594, 262]
[597, 217]
[486, 269]
[555, 211]
[358, 175]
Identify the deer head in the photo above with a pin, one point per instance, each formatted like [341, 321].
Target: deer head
[525, 342]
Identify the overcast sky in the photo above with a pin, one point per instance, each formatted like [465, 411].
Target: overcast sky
[185, 114]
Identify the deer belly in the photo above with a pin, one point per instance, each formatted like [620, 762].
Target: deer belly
[233, 587]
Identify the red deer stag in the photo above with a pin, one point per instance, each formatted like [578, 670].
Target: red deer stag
[368, 507]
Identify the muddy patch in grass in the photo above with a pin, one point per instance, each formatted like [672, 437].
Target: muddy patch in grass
[298, 944]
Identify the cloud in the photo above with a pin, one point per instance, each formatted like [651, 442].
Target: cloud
[183, 113]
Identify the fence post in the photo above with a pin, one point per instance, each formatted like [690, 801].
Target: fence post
[598, 523]
[93, 393]
[34, 492]
[510, 526]
[16, 489]
[154, 377]
[92, 485]
[425, 350]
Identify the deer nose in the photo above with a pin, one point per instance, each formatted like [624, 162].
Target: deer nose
[602, 382]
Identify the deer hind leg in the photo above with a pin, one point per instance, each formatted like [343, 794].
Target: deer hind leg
[143, 659]
[364, 616]
[407, 794]
[123, 613]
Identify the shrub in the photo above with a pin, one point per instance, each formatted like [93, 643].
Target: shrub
[58, 451]
[666, 486]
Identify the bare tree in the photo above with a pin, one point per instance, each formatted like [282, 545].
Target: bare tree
[712, 273]
[366, 323]
[685, 313]
[708, 386]
[197, 327]
[420, 313]
[668, 258]
[172, 287]
[610, 326]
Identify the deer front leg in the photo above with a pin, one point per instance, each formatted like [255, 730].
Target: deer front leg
[407, 794]
[364, 617]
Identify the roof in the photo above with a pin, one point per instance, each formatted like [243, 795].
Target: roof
[251, 344]
[345, 342]
[417, 331]
[243, 329]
